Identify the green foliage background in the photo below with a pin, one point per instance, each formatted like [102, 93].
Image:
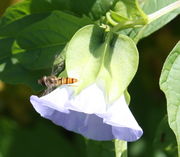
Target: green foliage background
[150, 103]
[24, 133]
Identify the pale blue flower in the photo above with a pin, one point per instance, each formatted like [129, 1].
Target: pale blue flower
[88, 114]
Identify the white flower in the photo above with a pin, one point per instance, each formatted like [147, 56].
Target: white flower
[88, 114]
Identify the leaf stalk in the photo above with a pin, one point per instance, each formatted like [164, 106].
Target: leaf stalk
[154, 16]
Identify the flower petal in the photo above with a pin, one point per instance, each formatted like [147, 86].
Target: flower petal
[88, 114]
[90, 101]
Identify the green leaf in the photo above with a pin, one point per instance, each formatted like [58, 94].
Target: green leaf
[165, 141]
[100, 148]
[100, 7]
[14, 73]
[14, 13]
[115, 148]
[38, 140]
[37, 44]
[32, 33]
[109, 60]
[126, 14]
[170, 85]
[149, 8]
[21, 10]
[92, 8]
[29, 45]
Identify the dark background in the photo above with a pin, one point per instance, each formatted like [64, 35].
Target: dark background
[23, 133]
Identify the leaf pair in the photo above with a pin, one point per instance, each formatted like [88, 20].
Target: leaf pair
[107, 59]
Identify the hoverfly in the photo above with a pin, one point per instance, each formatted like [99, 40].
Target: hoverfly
[51, 82]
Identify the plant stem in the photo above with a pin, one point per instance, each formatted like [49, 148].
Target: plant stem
[120, 148]
[163, 11]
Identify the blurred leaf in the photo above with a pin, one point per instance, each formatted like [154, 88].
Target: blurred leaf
[170, 85]
[13, 72]
[38, 140]
[165, 140]
[100, 7]
[151, 7]
[106, 148]
[92, 8]
[6, 130]
[37, 45]
[29, 44]
[17, 104]
[15, 12]
[100, 149]
[105, 60]
[5, 4]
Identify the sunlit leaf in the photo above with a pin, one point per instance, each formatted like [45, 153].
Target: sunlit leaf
[126, 14]
[37, 44]
[32, 46]
[110, 60]
[149, 8]
[170, 85]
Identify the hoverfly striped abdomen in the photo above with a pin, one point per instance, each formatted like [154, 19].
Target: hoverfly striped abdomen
[68, 80]
[53, 81]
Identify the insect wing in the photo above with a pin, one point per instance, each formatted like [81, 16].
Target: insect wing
[59, 66]
[47, 91]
